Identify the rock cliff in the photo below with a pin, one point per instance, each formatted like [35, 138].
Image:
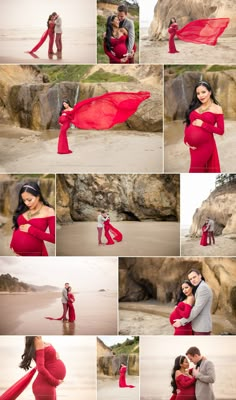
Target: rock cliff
[126, 197]
[160, 278]
[219, 206]
[10, 283]
[179, 88]
[188, 10]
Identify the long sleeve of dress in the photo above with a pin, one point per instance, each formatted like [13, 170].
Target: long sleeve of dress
[111, 56]
[185, 381]
[40, 364]
[184, 310]
[49, 237]
[218, 127]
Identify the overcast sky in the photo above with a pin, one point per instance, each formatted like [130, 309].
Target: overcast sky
[34, 13]
[83, 273]
[110, 340]
[195, 188]
[147, 11]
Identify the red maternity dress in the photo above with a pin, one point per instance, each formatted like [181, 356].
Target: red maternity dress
[185, 388]
[122, 380]
[110, 229]
[182, 310]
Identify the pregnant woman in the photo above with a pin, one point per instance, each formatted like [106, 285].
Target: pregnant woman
[64, 121]
[183, 383]
[32, 217]
[203, 241]
[203, 118]
[110, 229]
[183, 308]
[49, 32]
[51, 371]
[172, 28]
[122, 380]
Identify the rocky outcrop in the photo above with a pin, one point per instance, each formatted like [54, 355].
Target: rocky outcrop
[160, 279]
[188, 10]
[106, 8]
[179, 90]
[126, 197]
[29, 102]
[9, 283]
[219, 206]
[102, 349]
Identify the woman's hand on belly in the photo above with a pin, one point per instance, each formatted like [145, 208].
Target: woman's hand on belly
[197, 122]
[24, 227]
[191, 147]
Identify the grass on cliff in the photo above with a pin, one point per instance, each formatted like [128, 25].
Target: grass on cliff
[127, 347]
[103, 76]
[180, 69]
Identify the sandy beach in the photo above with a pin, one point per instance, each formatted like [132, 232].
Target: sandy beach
[108, 388]
[79, 47]
[152, 318]
[24, 313]
[225, 246]
[189, 53]
[177, 157]
[113, 151]
[139, 239]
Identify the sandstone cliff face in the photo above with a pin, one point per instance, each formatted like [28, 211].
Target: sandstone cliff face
[160, 278]
[220, 206]
[28, 102]
[126, 197]
[188, 10]
[179, 88]
[102, 349]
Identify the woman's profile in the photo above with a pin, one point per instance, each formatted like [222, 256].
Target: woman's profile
[203, 118]
[182, 382]
[31, 220]
[183, 308]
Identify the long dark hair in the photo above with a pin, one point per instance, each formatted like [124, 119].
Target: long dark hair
[32, 188]
[62, 106]
[109, 31]
[181, 295]
[195, 103]
[179, 360]
[171, 22]
[29, 353]
[49, 18]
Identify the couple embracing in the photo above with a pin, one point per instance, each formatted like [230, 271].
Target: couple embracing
[54, 32]
[119, 39]
[192, 314]
[110, 232]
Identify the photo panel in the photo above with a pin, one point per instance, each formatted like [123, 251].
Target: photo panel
[118, 367]
[111, 215]
[59, 34]
[81, 118]
[217, 370]
[62, 296]
[176, 32]
[197, 292]
[199, 118]
[69, 359]
[27, 212]
[208, 217]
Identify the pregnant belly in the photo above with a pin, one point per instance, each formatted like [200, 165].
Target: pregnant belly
[120, 50]
[57, 369]
[25, 244]
[196, 136]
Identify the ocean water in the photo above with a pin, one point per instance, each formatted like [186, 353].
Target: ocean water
[78, 354]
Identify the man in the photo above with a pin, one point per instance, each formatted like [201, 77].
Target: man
[58, 31]
[126, 23]
[200, 315]
[64, 300]
[101, 218]
[210, 229]
[204, 374]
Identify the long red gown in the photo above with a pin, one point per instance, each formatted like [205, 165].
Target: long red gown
[182, 310]
[100, 112]
[71, 299]
[49, 32]
[119, 49]
[31, 243]
[172, 31]
[205, 157]
[203, 241]
[122, 380]
[186, 388]
[110, 229]
[50, 371]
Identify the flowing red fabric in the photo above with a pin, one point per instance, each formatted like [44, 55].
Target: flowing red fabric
[15, 390]
[122, 380]
[110, 229]
[203, 31]
[102, 112]
[41, 42]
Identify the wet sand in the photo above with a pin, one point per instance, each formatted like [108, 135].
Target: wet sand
[108, 388]
[113, 151]
[139, 239]
[79, 47]
[225, 246]
[152, 318]
[189, 53]
[177, 157]
[96, 314]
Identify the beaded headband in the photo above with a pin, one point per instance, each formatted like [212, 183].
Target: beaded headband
[31, 187]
